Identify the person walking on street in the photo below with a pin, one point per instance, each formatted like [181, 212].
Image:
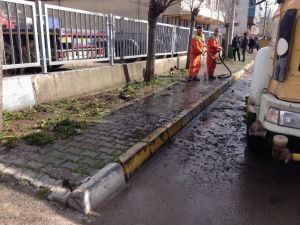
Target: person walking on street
[251, 45]
[213, 48]
[236, 47]
[256, 43]
[244, 44]
[198, 44]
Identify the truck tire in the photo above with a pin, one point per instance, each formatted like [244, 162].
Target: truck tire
[256, 144]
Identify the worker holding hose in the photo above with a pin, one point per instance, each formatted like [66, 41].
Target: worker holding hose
[213, 49]
[198, 43]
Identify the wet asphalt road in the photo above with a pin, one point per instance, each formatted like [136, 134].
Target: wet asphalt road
[205, 175]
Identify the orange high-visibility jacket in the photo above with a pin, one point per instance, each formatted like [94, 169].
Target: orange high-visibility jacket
[198, 43]
[213, 46]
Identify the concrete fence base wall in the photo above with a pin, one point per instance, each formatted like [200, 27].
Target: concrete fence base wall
[23, 91]
[18, 92]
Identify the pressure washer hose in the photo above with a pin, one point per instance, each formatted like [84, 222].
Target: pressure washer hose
[221, 61]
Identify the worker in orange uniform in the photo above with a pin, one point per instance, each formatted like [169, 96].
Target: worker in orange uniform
[198, 43]
[213, 48]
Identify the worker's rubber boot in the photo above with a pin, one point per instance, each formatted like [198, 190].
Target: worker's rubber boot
[211, 77]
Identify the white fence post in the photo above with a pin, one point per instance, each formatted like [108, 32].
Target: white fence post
[41, 24]
[111, 38]
[174, 41]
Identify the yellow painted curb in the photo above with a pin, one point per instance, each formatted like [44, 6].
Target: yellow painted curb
[134, 157]
[156, 139]
[174, 126]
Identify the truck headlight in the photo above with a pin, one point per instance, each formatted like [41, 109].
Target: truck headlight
[283, 118]
[272, 115]
[289, 119]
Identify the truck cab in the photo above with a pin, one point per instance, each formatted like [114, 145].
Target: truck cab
[273, 106]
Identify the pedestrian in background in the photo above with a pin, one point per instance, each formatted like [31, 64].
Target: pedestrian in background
[251, 45]
[198, 43]
[236, 47]
[213, 49]
[256, 43]
[244, 45]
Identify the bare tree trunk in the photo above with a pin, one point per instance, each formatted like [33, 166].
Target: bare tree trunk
[150, 65]
[1, 71]
[231, 28]
[193, 19]
[156, 7]
[227, 39]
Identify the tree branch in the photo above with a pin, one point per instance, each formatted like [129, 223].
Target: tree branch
[260, 2]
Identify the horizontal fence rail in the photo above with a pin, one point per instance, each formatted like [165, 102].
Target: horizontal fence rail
[41, 35]
[19, 26]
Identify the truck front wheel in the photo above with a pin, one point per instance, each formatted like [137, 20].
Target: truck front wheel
[258, 144]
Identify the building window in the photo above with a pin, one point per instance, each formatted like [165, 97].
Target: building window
[251, 9]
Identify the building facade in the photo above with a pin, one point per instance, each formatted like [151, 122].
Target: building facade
[241, 16]
[209, 13]
[253, 17]
[178, 14]
[247, 17]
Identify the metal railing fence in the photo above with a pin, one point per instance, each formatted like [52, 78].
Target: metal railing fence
[20, 36]
[181, 40]
[41, 35]
[130, 38]
[164, 39]
[75, 35]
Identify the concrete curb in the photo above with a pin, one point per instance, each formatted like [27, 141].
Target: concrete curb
[102, 185]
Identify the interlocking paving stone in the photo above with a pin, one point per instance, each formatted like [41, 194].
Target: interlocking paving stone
[89, 153]
[106, 157]
[70, 165]
[73, 158]
[54, 161]
[88, 161]
[56, 154]
[75, 151]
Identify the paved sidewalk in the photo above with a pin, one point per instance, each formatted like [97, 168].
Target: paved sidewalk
[70, 163]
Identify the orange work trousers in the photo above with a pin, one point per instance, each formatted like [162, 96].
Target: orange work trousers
[211, 65]
[195, 65]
